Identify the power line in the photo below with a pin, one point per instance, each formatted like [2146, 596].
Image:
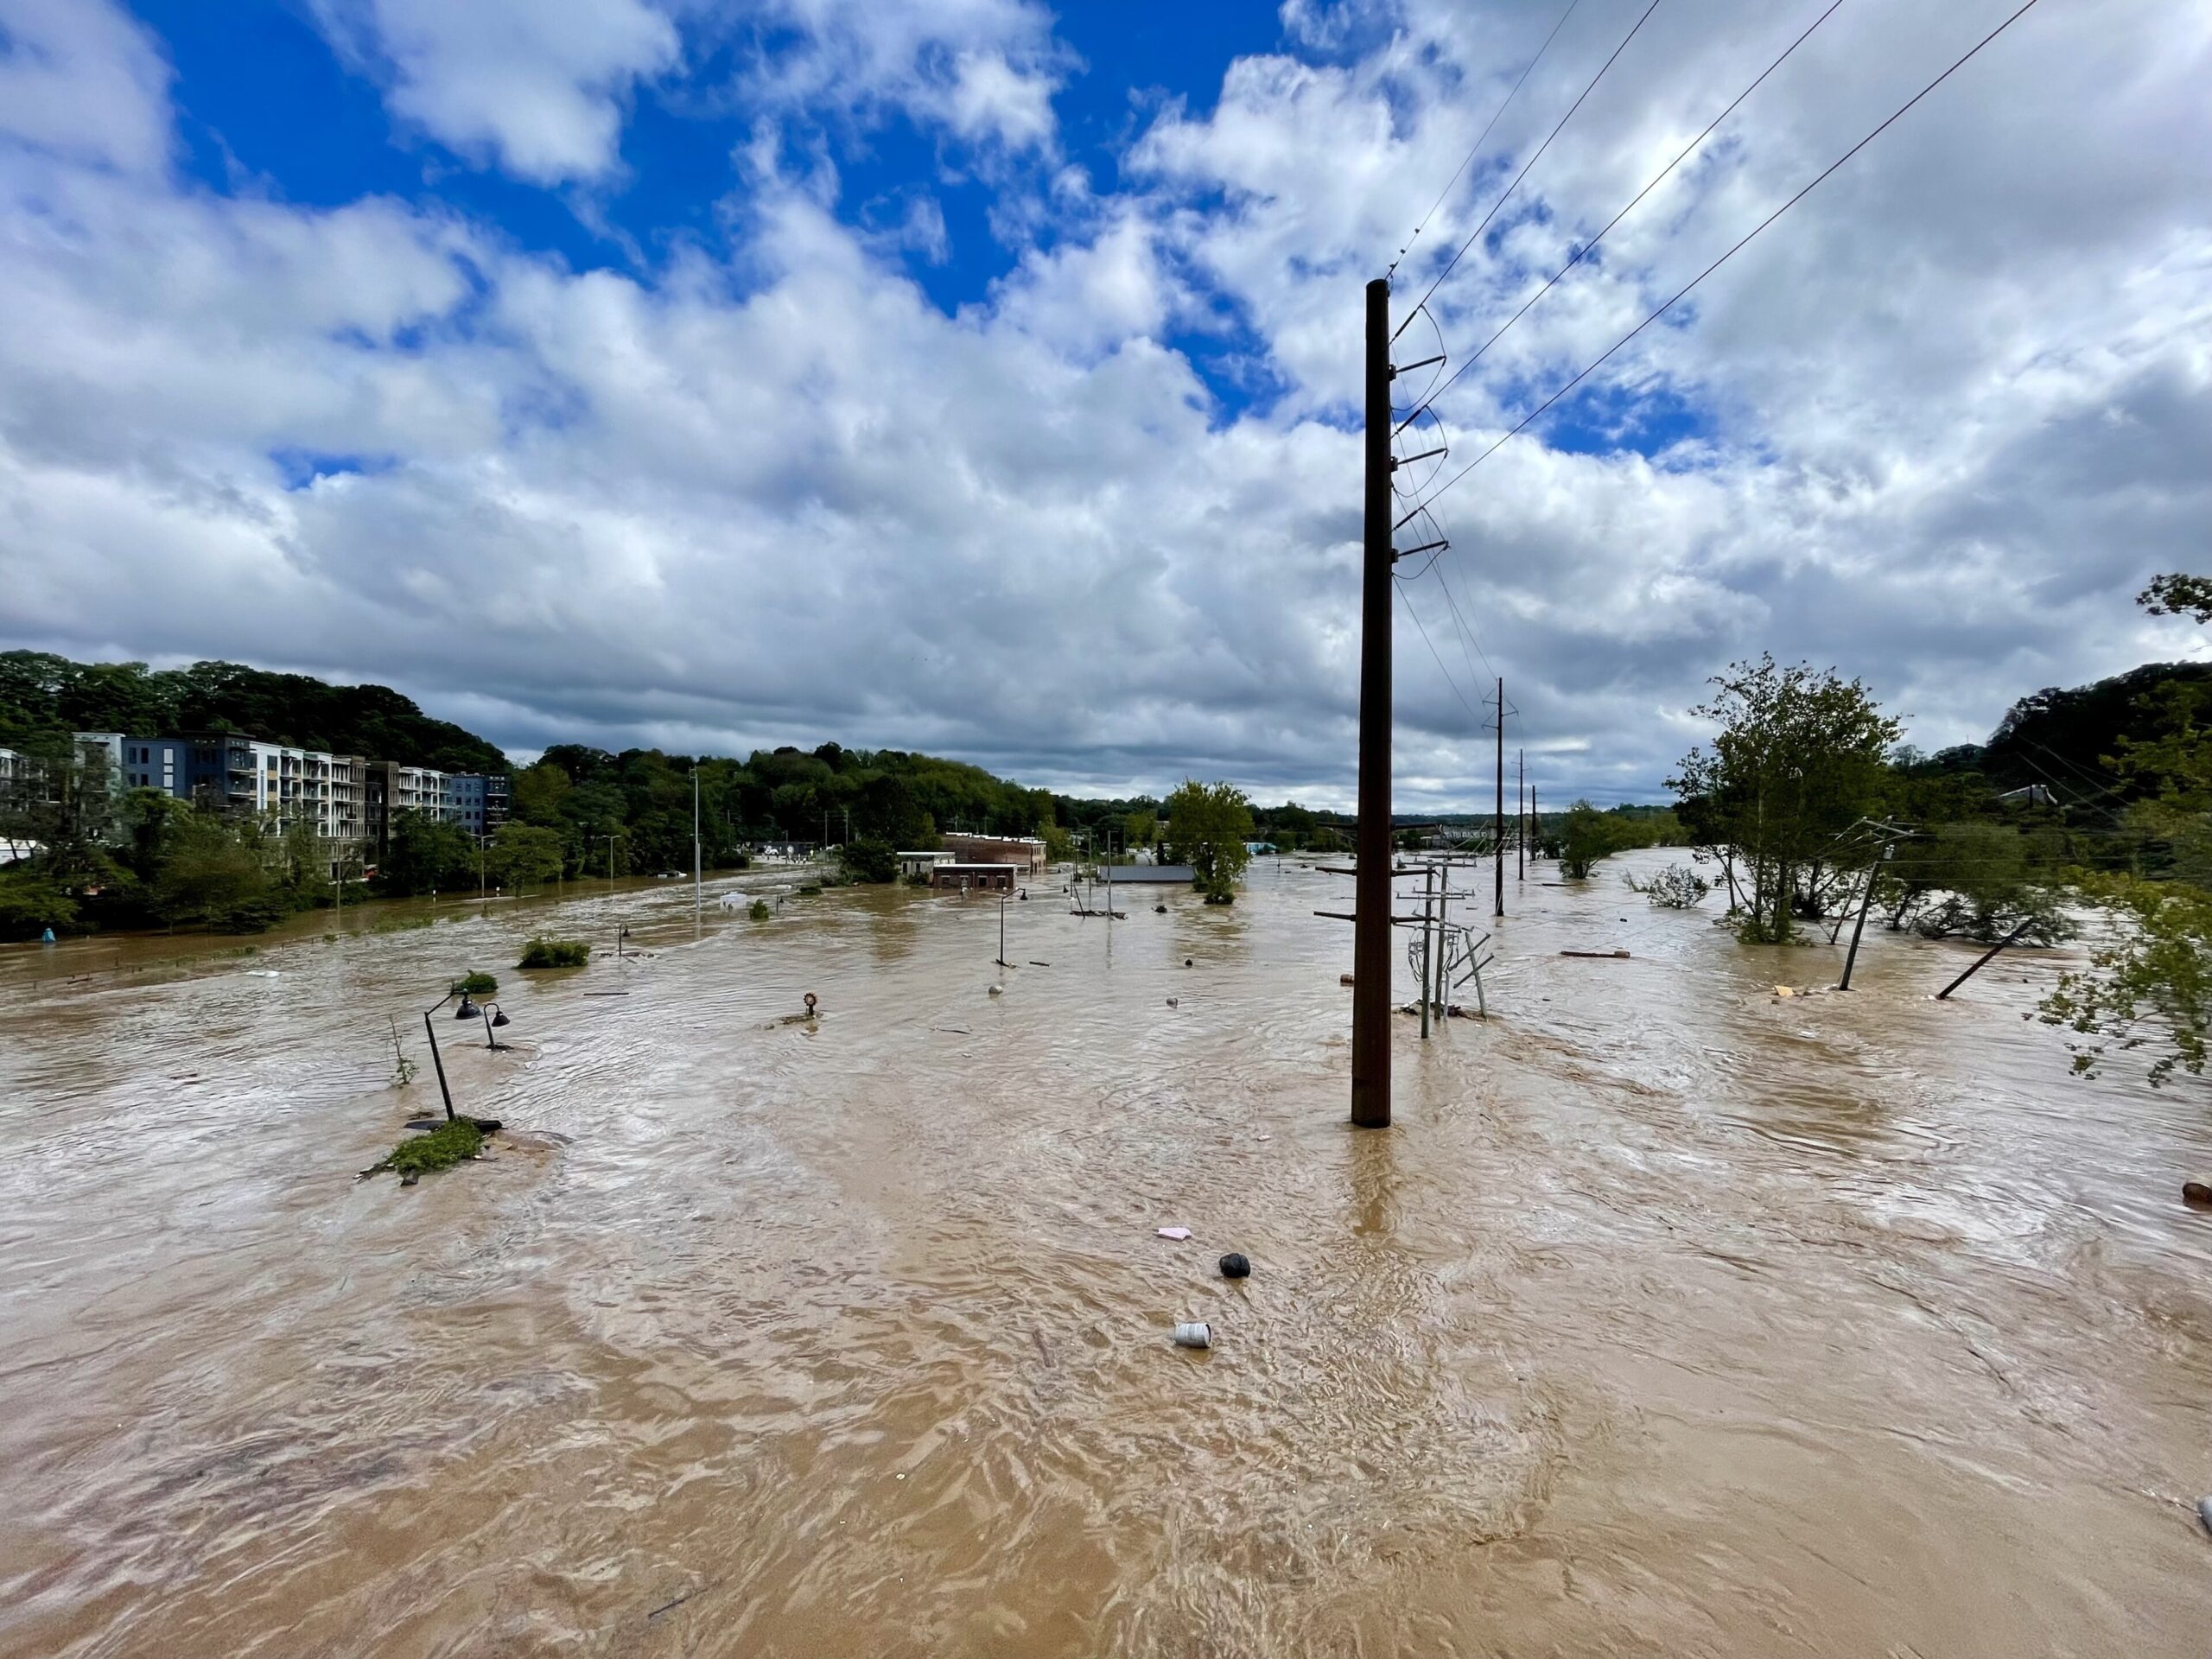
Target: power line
[1583, 252]
[1894, 115]
[1526, 165]
[1473, 148]
[1466, 632]
[1440, 669]
[1539, 408]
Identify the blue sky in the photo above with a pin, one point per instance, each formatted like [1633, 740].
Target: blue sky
[267, 106]
[981, 377]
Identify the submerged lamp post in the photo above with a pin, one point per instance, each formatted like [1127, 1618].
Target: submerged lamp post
[437, 1059]
[469, 1008]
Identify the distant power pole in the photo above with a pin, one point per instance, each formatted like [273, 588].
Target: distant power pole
[1497, 818]
[1520, 815]
[1370, 948]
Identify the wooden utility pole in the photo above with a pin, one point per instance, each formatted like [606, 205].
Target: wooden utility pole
[1865, 899]
[1371, 949]
[1535, 817]
[1497, 814]
[1978, 961]
[1520, 815]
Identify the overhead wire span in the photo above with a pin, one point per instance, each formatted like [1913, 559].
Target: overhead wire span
[1532, 414]
[1474, 148]
[1507, 193]
[1466, 631]
[1584, 251]
[1433, 652]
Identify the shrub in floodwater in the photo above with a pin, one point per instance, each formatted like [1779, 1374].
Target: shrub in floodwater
[809, 889]
[475, 983]
[541, 952]
[449, 1143]
[1676, 887]
[758, 910]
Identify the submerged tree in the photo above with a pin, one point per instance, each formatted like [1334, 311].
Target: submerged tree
[2148, 983]
[1798, 760]
[1976, 880]
[1586, 837]
[1207, 827]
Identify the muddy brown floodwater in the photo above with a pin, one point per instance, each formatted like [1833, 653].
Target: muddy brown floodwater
[1671, 1319]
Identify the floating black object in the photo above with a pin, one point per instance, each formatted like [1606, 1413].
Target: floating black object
[1159, 910]
[1233, 1266]
[1186, 961]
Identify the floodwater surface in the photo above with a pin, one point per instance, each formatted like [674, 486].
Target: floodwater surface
[1672, 1318]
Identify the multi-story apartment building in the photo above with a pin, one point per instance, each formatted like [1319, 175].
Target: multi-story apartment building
[229, 770]
[95, 766]
[464, 792]
[350, 803]
[475, 801]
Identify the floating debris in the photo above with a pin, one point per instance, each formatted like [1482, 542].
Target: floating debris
[1179, 1234]
[1195, 1334]
[1233, 1266]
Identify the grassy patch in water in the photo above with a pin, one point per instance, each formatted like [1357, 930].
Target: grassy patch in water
[808, 890]
[758, 910]
[541, 952]
[449, 1144]
[475, 984]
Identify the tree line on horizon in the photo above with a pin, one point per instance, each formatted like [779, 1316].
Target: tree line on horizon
[1976, 864]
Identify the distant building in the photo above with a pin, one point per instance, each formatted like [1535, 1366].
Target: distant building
[231, 772]
[465, 800]
[913, 864]
[947, 875]
[100, 754]
[1026, 851]
[20, 776]
[474, 801]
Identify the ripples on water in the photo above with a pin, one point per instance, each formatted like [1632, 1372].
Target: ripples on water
[1672, 1318]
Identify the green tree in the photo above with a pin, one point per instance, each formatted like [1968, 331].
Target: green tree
[2148, 982]
[1973, 879]
[216, 873]
[31, 902]
[523, 855]
[868, 860]
[1586, 837]
[2178, 596]
[1798, 760]
[1207, 827]
[426, 855]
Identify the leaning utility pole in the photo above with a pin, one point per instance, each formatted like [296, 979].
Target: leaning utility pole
[1521, 815]
[1371, 947]
[1497, 818]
